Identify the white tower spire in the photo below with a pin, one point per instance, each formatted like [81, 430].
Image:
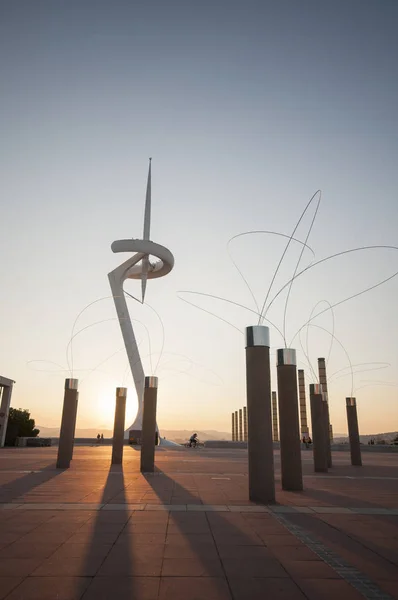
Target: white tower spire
[137, 267]
[147, 229]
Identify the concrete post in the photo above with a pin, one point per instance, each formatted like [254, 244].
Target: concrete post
[319, 435]
[68, 424]
[240, 425]
[258, 390]
[236, 426]
[289, 427]
[6, 386]
[275, 429]
[303, 405]
[118, 426]
[149, 425]
[244, 424]
[233, 427]
[353, 432]
[324, 383]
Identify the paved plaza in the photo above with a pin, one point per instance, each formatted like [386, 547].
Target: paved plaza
[189, 532]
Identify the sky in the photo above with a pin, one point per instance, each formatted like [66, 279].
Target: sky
[247, 108]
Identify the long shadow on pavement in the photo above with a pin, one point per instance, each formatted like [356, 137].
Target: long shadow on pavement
[120, 558]
[220, 555]
[14, 490]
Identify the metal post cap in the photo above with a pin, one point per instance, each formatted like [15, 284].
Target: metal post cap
[71, 384]
[257, 335]
[315, 389]
[121, 392]
[151, 382]
[351, 401]
[286, 356]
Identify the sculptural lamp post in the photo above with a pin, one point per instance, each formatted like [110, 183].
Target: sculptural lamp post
[289, 428]
[324, 383]
[319, 434]
[68, 424]
[353, 432]
[139, 267]
[258, 389]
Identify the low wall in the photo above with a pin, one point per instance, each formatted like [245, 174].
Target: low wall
[366, 448]
[230, 444]
[335, 447]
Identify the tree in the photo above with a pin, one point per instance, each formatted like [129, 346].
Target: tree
[19, 425]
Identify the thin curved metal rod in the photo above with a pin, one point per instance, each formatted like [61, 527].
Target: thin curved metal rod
[378, 381]
[385, 366]
[345, 352]
[307, 357]
[100, 323]
[349, 297]
[333, 327]
[101, 363]
[70, 364]
[223, 300]
[282, 257]
[357, 372]
[298, 264]
[374, 384]
[50, 362]
[163, 336]
[92, 325]
[81, 331]
[253, 233]
[207, 311]
[306, 351]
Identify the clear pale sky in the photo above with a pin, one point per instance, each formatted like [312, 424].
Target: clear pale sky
[247, 108]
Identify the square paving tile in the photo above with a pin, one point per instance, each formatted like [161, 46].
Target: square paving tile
[133, 527]
[224, 539]
[123, 588]
[81, 566]
[67, 551]
[331, 510]
[192, 567]
[7, 584]
[309, 569]
[50, 588]
[278, 539]
[18, 567]
[93, 538]
[191, 539]
[262, 589]
[253, 567]
[233, 551]
[299, 552]
[21, 549]
[328, 589]
[116, 564]
[186, 550]
[194, 588]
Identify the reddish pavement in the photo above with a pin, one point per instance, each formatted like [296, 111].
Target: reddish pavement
[189, 531]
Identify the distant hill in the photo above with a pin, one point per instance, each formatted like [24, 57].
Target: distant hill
[174, 435]
[378, 437]
[182, 435]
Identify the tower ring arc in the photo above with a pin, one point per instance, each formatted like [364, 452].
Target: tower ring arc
[146, 247]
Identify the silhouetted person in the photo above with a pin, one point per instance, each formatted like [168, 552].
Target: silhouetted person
[193, 440]
[102, 438]
[98, 438]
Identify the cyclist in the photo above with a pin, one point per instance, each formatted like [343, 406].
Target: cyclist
[193, 440]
